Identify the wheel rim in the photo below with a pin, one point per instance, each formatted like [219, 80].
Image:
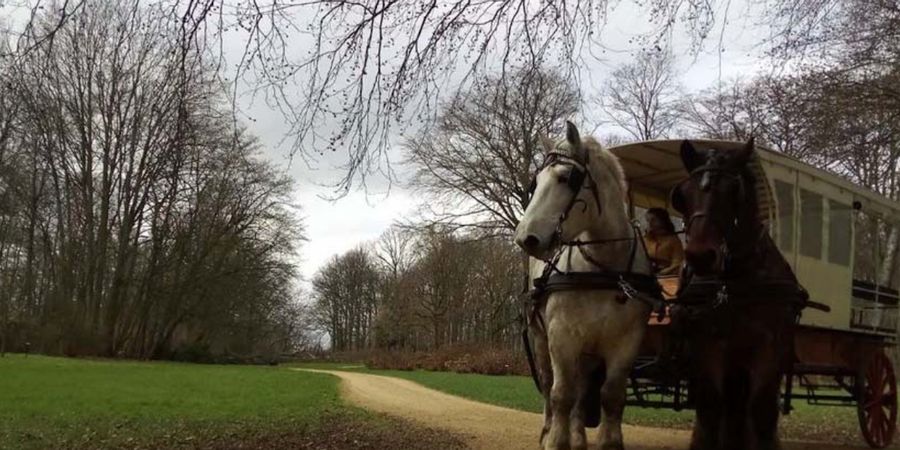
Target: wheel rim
[877, 406]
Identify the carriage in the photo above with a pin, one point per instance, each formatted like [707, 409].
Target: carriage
[841, 241]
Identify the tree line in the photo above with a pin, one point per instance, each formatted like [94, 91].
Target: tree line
[136, 217]
[420, 290]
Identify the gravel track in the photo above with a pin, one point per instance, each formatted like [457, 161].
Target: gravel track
[493, 427]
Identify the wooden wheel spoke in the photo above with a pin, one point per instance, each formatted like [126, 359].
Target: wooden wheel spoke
[877, 407]
[873, 404]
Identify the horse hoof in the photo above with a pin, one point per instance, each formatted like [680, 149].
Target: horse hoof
[612, 446]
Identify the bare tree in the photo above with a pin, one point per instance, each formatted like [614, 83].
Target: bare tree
[478, 159]
[719, 113]
[135, 219]
[394, 250]
[457, 288]
[347, 298]
[640, 97]
[380, 65]
[395, 324]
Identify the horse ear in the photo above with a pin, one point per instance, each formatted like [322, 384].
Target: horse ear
[690, 156]
[573, 137]
[745, 152]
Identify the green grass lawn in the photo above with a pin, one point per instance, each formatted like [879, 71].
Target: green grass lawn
[805, 422]
[48, 402]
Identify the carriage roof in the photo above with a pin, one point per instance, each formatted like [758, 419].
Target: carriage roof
[809, 214]
[653, 168]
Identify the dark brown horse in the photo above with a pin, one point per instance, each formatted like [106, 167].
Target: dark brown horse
[738, 302]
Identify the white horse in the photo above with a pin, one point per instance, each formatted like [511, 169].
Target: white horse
[580, 195]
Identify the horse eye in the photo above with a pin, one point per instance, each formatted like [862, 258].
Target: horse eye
[563, 179]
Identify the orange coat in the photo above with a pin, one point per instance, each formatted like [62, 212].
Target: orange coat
[666, 253]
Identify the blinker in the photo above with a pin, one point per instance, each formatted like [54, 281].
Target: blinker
[576, 179]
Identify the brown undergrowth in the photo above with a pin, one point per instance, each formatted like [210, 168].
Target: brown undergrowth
[457, 358]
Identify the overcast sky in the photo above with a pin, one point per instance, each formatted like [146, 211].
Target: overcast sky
[333, 227]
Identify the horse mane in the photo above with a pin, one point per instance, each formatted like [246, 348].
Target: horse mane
[772, 263]
[602, 160]
[724, 159]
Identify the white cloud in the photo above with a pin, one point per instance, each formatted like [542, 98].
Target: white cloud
[333, 227]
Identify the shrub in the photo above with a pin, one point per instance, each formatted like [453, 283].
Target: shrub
[490, 360]
[194, 352]
[396, 360]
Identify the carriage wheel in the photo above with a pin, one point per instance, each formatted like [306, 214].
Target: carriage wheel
[877, 407]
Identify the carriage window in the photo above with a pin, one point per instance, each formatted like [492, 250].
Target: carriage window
[866, 251]
[839, 233]
[810, 224]
[875, 295]
[784, 193]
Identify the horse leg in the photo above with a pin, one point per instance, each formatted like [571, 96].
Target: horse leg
[706, 392]
[765, 391]
[595, 371]
[577, 437]
[764, 413]
[736, 393]
[564, 392]
[613, 393]
[545, 371]
[613, 401]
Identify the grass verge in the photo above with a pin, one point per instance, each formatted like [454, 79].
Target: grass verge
[48, 402]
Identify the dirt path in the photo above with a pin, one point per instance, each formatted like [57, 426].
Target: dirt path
[488, 426]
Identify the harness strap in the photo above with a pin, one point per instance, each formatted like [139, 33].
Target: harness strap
[715, 293]
[529, 354]
[641, 287]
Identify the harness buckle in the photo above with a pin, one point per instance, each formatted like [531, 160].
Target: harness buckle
[627, 288]
[721, 297]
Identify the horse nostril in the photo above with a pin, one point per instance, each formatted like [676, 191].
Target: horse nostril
[531, 242]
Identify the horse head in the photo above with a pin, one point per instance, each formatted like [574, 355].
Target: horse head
[715, 201]
[560, 207]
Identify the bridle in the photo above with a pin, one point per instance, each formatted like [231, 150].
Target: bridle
[576, 182]
[728, 226]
